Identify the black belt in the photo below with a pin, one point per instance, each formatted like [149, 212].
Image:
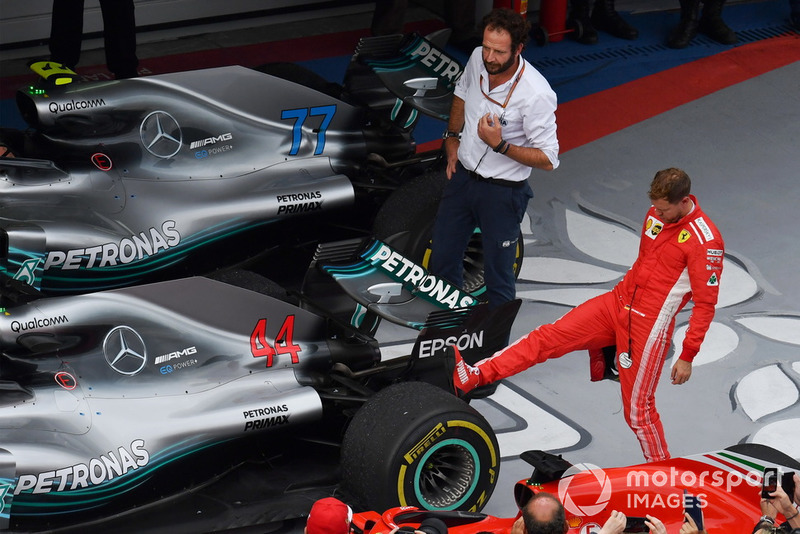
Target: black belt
[495, 181]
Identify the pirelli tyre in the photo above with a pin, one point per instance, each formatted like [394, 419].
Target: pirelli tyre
[414, 444]
[406, 219]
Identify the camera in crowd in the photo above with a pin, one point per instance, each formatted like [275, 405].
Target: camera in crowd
[772, 478]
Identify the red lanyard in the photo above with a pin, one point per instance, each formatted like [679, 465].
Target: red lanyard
[510, 91]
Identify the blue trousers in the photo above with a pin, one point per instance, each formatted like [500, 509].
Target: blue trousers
[498, 211]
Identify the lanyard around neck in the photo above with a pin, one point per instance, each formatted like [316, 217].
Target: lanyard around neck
[510, 91]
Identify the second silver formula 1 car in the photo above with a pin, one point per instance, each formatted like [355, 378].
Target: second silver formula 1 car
[118, 406]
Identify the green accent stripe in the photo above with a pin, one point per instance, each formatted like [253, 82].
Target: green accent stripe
[742, 461]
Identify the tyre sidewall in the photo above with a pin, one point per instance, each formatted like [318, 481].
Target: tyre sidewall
[445, 432]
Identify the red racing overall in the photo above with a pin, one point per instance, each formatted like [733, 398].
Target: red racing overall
[677, 262]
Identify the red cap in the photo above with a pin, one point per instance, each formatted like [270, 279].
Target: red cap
[329, 516]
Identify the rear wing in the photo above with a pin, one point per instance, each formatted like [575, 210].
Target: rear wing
[477, 332]
[385, 282]
[415, 69]
[390, 286]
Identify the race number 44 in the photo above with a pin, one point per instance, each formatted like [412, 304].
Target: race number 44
[260, 344]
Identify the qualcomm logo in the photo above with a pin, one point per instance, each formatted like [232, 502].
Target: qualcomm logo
[161, 134]
[588, 482]
[125, 350]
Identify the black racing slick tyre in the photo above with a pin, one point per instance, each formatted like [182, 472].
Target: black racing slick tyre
[405, 220]
[414, 444]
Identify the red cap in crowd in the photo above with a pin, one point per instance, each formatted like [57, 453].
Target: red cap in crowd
[329, 516]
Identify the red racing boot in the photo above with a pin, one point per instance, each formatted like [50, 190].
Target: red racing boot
[465, 376]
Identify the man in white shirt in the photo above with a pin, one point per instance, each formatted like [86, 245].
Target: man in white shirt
[502, 124]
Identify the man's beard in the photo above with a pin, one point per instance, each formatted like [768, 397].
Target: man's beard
[495, 68]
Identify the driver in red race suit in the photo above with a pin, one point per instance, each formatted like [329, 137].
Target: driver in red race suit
[680, 259]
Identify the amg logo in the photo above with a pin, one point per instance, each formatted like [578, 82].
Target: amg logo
[177, 354]
[211, 140]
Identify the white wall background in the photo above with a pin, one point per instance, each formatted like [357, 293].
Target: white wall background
[29, 20]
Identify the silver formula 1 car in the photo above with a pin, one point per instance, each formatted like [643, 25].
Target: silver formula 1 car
[117, 406]
[123, 182]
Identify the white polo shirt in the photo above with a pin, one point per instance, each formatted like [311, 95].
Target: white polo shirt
[528, 118]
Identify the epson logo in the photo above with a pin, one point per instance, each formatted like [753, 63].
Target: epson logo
[211, 140]
[429, 347]
[177, 354]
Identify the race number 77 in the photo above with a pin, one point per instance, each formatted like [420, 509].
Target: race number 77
[260, 345]
[300, 115]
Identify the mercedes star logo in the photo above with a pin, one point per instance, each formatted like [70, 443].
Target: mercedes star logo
[125, 351]
[161, 134]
